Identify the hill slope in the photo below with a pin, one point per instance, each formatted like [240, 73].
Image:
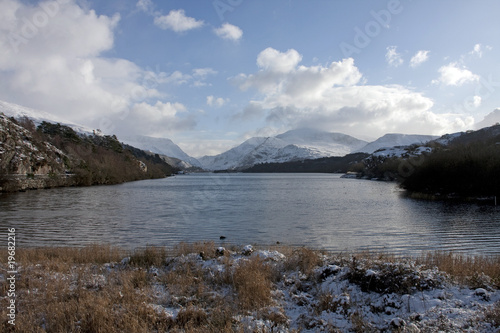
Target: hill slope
[52, 155]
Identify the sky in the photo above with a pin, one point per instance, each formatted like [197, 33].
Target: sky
[210, 74]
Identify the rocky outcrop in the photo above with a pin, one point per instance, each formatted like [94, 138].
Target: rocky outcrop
[26, 162]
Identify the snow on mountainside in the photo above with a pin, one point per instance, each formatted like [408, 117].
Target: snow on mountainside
[160, 146]
[156, 145]
[293, 145]
[37, 116]
[394, 140]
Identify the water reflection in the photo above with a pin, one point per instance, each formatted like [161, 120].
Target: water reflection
[318, 210]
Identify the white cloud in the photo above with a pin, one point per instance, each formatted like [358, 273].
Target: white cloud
[392, 57]
[335, 98]
[215, 101]
[59, 67]
[145, 5]
[177, 21]
[274, 61]
[203, 72]
[229, 31]
[453, 75]
[419, 58]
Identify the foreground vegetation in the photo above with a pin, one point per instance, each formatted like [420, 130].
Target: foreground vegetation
[203, 288]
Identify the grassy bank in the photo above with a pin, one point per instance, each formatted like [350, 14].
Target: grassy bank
[202, 288]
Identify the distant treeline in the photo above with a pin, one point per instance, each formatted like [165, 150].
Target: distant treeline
[469, 166]
[321, 165]
[463, 169]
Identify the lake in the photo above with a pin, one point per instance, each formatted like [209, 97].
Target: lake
[316, 210]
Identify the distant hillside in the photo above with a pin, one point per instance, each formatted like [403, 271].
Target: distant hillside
[51, 155]
[468, 165]
[320, 165]
[165, 147]
[393, 140]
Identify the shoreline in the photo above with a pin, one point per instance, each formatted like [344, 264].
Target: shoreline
[202, 287]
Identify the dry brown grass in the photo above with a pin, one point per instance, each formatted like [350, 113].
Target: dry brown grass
[493, 315]
[84, 300]
[71, 290]
[252, 282]
[474, 271]
[304, 259]
[149, 256]
[204, 249]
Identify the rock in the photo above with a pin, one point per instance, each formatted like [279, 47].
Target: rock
[247, 250]
[481, 292]
[220, 251]
[397, 323]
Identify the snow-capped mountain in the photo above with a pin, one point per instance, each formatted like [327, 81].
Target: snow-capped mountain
[293, 145]
[394, 140]
[37, 116]
[156, 145]
[160, 146]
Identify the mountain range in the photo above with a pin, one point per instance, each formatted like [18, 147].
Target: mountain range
[294, 145]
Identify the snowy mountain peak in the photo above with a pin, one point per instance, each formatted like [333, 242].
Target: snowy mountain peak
[298, 144]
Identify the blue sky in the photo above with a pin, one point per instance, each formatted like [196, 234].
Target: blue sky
[210, 74]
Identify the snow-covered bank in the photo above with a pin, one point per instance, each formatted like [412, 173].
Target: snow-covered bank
[214, 289]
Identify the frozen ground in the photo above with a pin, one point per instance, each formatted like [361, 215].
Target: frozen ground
[247, 289]
[348, 294]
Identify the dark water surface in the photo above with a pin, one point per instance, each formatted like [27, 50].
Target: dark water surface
[317, 210]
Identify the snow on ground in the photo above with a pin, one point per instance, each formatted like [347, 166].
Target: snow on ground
[345, 294]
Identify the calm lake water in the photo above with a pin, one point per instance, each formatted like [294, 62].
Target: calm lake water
[317, 210]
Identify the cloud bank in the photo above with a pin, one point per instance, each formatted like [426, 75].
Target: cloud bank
[336, 98]
[52, 59]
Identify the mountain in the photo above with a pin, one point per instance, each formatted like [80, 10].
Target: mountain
[17, 111]
[54, 155]
[172, 153]
[491, 119]
[293, 145]
[161, 146]
[394, 140]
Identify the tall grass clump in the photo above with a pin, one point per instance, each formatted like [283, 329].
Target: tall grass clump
[474, 271]
[253, 284]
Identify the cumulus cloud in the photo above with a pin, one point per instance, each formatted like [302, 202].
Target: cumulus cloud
[455, 75]
[229, 31]
[392, 57]
[177, 21]
[419, 58]
[274, 61]
[51, 58]
[335, 98]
